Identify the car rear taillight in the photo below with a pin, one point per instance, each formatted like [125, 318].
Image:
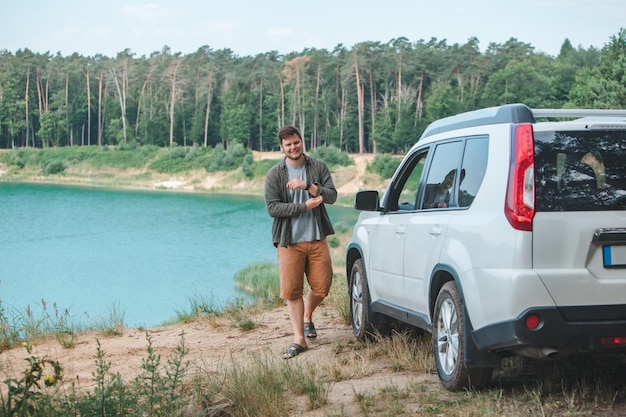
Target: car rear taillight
[520, 195]
[613, 341]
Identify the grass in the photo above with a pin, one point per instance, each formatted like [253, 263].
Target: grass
[260, 280]
[265, 386]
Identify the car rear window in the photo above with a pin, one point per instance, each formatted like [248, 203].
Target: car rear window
[580, 170]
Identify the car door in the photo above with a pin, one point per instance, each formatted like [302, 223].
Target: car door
[388, 234]
[425, 231]
[579, 227]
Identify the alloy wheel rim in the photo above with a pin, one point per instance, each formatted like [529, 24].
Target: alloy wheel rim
[357, 301]
[448, 337]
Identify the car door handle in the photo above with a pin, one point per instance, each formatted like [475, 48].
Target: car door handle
[400, 230]
[435, 230]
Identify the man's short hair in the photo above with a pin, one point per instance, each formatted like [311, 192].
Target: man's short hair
[287, 132]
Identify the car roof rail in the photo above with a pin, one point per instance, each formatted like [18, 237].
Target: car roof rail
[511, 113]
[578, 113]
[508, 113]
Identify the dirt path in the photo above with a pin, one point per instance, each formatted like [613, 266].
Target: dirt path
[356, 183]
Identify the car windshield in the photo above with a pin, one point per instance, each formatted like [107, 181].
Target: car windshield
[580, 170]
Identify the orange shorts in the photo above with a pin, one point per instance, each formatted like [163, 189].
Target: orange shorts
[310, 258]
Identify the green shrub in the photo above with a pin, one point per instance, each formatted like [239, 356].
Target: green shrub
[247, 166]
[261, 167]
[341, 228]
[123, 158]
[384, 165]
[333, 241]
[55, 167]
[178, 152]
[174, 161]
[223, 160]
[13, 159]
[332, 155]
[133, 145]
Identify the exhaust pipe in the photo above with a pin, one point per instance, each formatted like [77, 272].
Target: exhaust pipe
[538, 352]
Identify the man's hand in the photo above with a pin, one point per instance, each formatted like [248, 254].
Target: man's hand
[295, 184]
[313, 202]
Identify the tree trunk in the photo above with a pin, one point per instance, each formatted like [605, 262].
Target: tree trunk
[173, 70]
[141, 95]
[67, 107]
[261, 117]
[315, 138]
[88, 108]
[26, 104]
[418, 106]
[372, 105]
[39, 84]
[399, 92]
[360, 104]
[121, 95]
[209, 99]
[281, 122]
[100, 121]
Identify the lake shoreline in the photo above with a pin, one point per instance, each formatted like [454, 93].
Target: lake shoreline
[348, 180]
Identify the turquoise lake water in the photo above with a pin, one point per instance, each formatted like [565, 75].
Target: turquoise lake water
[142, 254]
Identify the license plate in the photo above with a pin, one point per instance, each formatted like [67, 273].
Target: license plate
[614, 256]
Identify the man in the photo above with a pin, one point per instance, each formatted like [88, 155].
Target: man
[296, 190]
[438, 195]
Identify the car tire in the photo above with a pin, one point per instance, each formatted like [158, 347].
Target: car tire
[360, 313]
[448, 343]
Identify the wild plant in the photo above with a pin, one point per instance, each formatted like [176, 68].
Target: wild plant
[199, 306]
[7, 337]
[109, 396]
[161, 394]
[26, 396]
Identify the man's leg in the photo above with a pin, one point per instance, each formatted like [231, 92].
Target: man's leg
[295, 308]
[291, 270]
[312, 302]
[319, 273]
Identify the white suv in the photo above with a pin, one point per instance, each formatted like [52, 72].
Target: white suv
[500, 235]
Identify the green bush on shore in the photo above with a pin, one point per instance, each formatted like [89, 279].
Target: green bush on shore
[172, 160]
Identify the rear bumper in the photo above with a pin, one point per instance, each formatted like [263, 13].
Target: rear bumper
[580, 328]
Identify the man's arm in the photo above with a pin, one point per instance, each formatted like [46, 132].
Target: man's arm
[325, 186]
[276, 199]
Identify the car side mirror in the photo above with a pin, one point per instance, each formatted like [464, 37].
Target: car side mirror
[367, 201]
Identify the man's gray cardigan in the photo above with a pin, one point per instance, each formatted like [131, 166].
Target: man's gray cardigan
[281, 208]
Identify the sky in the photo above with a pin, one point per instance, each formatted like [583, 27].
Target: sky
[250, 27]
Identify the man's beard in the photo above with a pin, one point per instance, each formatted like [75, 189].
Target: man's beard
[300, 155]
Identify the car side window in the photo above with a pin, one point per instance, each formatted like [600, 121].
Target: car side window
[443, 176]
[403, 195]
[472, 169]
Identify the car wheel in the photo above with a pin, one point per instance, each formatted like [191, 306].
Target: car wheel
[360, 314]
[448, 343]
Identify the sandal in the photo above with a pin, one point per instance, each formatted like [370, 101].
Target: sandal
[294, 350]
[309, 330]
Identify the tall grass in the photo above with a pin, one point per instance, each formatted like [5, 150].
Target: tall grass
[20, 326]
[46, 321]
[262, 385]
[260, 280]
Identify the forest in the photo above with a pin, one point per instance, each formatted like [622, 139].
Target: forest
[373, 97]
